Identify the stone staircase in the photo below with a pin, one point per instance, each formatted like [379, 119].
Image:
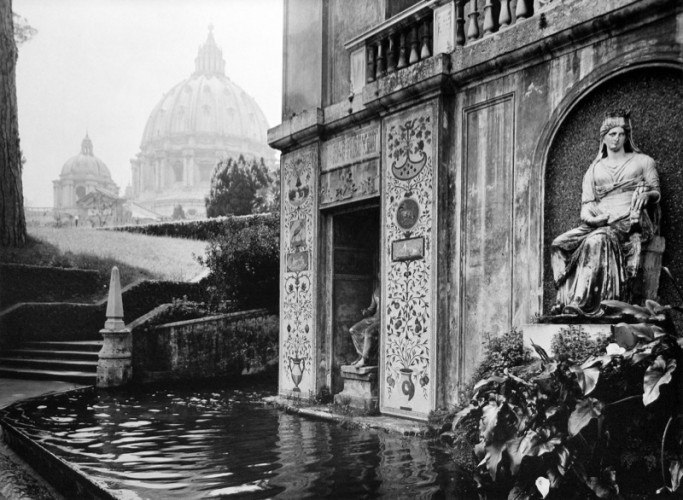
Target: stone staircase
[72, 361]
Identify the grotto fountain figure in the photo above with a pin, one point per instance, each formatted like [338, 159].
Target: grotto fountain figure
[601, 259]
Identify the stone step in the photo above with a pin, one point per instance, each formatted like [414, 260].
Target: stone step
[50, 353]
[31, 374]
[49, 364]
[70, 345]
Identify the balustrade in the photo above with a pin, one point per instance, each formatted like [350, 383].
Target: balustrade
[409, 38]
[398, 48]
[497, 15]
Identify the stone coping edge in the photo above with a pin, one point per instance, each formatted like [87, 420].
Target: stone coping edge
[64, 477]
[383, 423]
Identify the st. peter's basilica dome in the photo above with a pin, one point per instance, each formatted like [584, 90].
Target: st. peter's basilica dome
[200, 121]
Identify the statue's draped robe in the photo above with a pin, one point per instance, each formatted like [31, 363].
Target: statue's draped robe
[594, 264]
[365, 333]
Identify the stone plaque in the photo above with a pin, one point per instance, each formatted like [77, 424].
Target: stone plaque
[355, 182]
[408, 249]
[351, 148]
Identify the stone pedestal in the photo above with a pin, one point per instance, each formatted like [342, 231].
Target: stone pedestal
[542, 333]
[360, 388]
[115, 367]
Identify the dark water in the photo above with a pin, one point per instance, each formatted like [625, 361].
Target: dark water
[210, 442]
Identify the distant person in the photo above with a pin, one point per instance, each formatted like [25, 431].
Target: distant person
[76, 220]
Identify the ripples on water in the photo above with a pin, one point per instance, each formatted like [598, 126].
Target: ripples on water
[224, 443]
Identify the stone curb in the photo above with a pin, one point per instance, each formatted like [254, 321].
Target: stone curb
[375, 422]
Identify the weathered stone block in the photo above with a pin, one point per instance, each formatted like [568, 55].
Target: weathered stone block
[360, 388]
[115, 367]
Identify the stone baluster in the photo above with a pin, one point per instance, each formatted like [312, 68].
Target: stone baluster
[380, 67]
[489, 22]
[505, 17]
[460, 23]
[391, 54]
[425, 50]
[414, 55]
[370, 70]
[522, 11]
[473, 26]
[402, 62]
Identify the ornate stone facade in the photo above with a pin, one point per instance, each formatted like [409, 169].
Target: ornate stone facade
[483, 116]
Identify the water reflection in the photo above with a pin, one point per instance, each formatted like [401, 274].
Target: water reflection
[225, 443]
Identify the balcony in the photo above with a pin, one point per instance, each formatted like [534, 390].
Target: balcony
[443, 45]
[428, 28]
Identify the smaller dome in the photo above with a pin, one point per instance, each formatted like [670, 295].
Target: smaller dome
[85, 163]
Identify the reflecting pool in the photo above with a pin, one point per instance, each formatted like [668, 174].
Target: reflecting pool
[218, 442]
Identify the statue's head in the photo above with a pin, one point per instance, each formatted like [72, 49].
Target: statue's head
[617, 118]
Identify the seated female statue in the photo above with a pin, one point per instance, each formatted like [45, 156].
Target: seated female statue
[599, 259]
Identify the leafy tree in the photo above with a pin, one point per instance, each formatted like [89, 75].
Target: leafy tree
[178, 212]
[12, 218]
[239, 188]
[244, 263]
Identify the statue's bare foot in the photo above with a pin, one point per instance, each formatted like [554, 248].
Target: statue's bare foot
[572, 309]
[360, 364]
[556, 309]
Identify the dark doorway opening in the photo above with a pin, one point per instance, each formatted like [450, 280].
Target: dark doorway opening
[355, 265]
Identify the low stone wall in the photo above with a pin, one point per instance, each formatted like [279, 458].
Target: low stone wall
[193, 349]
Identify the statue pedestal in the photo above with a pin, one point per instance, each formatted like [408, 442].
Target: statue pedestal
[542, 333]
[360, 388]
[114, 367]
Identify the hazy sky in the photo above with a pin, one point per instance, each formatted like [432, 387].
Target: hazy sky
[102, 65]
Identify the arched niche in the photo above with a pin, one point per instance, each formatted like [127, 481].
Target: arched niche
[654, 94]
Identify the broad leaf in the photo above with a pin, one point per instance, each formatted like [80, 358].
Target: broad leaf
[471, 410]
[541, 352]
[587, 378]
[494, 454]
[564, 459]
[585, 411]
[543, 486]
[614, 349]
[499, 423]
[514, 449]
[519, 493]
[619, 307]
[676, 472]
[495, 379]
[658, 374]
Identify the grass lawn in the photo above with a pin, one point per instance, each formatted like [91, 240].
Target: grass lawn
[137, 256]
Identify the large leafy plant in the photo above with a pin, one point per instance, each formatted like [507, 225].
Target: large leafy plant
[560, 429]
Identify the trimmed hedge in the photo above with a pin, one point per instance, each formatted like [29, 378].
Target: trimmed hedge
[64, 321]
[146, 295]
[204, 229]
[24, 283]
[51, 321]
